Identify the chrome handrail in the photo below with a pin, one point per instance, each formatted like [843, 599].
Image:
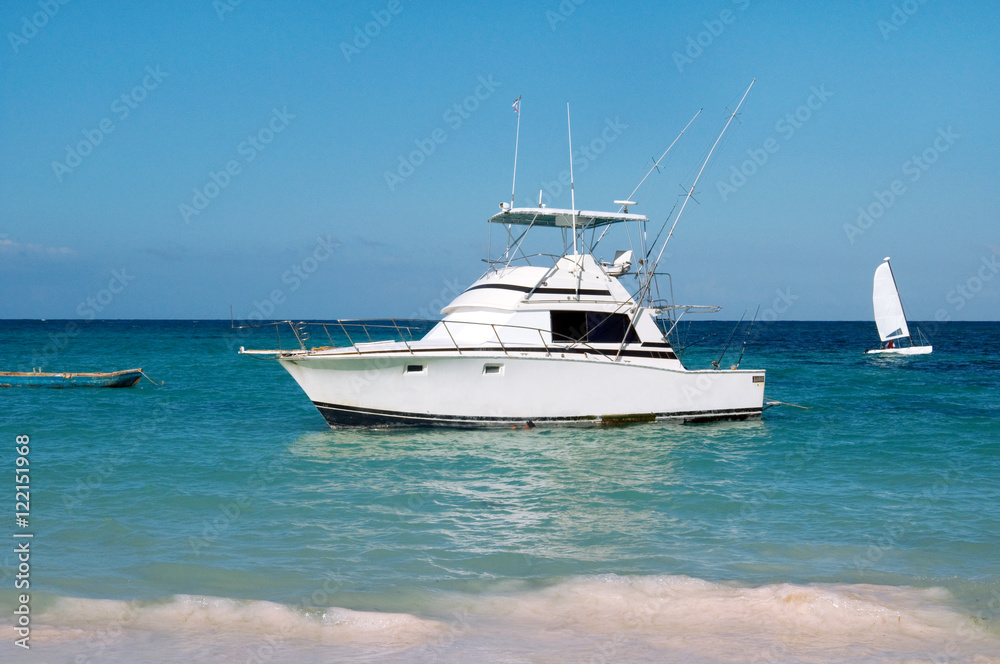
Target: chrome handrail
[399, 336]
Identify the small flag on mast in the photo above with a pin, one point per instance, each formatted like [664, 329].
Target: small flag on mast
[517, 105]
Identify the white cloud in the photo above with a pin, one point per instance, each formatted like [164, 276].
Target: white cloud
[10, 247]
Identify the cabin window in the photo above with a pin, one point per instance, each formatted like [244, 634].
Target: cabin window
[414, 368]
[492, 369]
[591, 327]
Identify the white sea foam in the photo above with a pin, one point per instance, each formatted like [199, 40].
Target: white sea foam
[590, 619]
[189, 616]
[721, 622]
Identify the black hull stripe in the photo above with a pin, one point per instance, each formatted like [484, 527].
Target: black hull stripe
[350, 416]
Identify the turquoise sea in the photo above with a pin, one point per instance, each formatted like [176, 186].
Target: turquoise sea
[216, 517]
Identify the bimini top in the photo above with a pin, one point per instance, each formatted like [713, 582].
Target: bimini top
[562, 218]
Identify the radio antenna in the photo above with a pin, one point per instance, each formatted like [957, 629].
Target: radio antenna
[572, 192]
[517, 136]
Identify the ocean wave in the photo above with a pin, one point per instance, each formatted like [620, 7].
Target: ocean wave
[780, 622]
[596, 618]
[190, 617]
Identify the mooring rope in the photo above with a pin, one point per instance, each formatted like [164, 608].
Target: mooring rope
[773, 402]
[149, 379]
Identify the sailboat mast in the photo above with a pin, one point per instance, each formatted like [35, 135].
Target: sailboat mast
[895, 286]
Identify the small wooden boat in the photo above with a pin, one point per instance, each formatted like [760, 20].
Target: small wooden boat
[126, 378]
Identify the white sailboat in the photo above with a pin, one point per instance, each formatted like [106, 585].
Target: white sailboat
[889, 316]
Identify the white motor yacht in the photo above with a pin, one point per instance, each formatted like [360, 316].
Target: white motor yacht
[561, 342]
[526, 345]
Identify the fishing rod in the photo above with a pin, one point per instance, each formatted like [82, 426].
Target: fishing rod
[695, 343]
[644, 261]
[657, 238]
[731, 335]
[747, 337]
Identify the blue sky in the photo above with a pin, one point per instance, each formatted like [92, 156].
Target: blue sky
[170, 160]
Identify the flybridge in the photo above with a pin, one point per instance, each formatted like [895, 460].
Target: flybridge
[552, 217]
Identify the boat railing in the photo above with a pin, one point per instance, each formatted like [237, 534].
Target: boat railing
[502, 262]
[669, 315]
[363, 331]
[361, 336]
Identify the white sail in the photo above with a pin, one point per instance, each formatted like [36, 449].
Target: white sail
[888, 309]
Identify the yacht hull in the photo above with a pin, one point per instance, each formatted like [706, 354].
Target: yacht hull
[484, 390]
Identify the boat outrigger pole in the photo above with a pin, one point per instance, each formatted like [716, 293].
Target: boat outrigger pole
[656, 164]
[690, 192]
